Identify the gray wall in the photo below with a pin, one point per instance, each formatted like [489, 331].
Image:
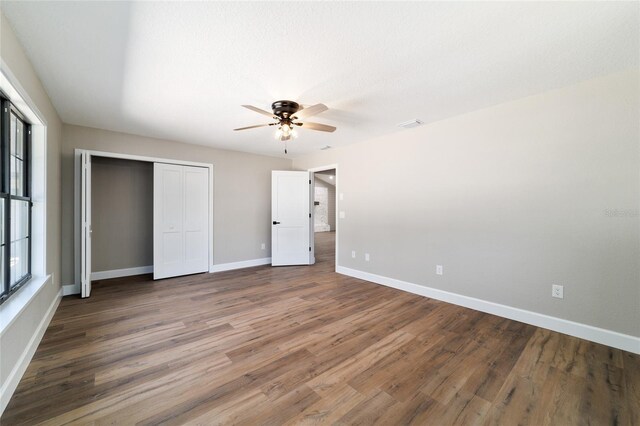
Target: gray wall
[122, 214]
[14, 339]
[510, 200]
[242, 190]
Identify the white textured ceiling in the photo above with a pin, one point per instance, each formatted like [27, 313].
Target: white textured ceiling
[181, 70]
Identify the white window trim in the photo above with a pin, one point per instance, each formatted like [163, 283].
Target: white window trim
[13, 306]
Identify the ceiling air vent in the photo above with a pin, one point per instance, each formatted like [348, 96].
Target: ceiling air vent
[411, 123]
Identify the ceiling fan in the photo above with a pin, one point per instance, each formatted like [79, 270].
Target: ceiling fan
[288, 115]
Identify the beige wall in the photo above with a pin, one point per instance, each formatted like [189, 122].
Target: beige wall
[122, 219]
[14, 339]
[242, 190]
[510, 200]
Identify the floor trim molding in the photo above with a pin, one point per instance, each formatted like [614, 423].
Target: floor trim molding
[583, 331]
[239, 265]
[70, 289]
[117, 273]
[13, 379]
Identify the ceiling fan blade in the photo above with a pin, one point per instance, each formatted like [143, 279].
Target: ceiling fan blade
[259, 111]
[312, 110]
[318, 126]
[253, 127]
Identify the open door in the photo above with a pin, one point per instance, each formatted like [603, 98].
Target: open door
[291, 242]
[85, 220]
[180, 220]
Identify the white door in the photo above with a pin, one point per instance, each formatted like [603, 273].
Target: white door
[291, 218]
[180, 220]
[85, 223]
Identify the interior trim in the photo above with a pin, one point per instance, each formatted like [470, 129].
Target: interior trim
[594, 334]
[117, 273]
[239, 265]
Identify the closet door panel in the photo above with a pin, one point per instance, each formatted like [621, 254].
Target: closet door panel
[196, 219]
[180, 220]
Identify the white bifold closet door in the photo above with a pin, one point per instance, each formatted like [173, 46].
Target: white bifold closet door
[85, 225]
[180, 220]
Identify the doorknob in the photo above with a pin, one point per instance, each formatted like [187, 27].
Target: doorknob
[276, 223]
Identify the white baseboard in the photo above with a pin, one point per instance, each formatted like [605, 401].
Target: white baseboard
[239, 265]
[70, 289]
[105, 275]
[599, 335]
[10, 385]
[117, 273]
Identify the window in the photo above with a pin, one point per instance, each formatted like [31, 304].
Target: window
[15, 200]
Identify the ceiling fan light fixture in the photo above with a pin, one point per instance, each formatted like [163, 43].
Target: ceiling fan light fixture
[286, 115]
[285, 132]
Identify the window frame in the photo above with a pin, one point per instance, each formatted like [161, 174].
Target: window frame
[7, 109]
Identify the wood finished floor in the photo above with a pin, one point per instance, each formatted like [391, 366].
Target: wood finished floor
[303, 345]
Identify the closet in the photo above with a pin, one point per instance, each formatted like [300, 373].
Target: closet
[138, 215]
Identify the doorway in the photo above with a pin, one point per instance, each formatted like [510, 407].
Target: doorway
[325, 217]
[121, 217]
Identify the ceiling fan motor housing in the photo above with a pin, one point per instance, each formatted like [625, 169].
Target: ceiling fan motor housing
[284, 109]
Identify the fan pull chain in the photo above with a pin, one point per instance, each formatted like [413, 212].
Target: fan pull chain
[285, 147]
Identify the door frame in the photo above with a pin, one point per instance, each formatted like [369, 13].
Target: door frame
[77, 205]
[313, 240]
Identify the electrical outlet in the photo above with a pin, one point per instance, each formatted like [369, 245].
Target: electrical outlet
[353, 254]
[557, 291]
[366, 257]
[439, 270]
[263, 246]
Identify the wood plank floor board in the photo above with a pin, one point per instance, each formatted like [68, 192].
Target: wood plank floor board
[330, 408]
[631, 370]
[368, 411]
[304, 345]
